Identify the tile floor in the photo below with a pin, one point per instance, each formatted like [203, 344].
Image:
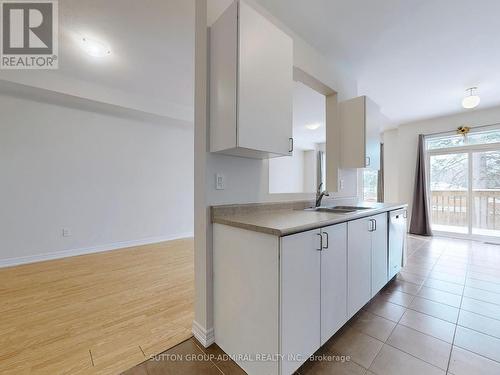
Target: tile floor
[200, 361]
[440, 315]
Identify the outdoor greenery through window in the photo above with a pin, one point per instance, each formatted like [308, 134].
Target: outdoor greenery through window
[475, 138]
[464, 183]
[449, 172]
[370, 179]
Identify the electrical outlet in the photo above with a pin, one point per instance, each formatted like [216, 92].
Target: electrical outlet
[219, 182]
[66, 232]
[341, 184]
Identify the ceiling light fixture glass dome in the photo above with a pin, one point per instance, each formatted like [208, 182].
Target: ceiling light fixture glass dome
[471, 99]
[313, 126]
[95, 48]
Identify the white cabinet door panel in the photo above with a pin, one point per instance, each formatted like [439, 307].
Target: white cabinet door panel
[361, 121]
[333, 280]
[379, 253]
[265, 84]
[353, 133]
[300, 297]
[223, 80]
[358, 264]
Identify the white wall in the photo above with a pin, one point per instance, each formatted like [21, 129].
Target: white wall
[402, 145]
[391, 166]
[108, 177]
[287, 174]
[294, 174]
[310, 170]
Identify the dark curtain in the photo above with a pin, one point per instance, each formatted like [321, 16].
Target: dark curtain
[380, 176]
[420, 223]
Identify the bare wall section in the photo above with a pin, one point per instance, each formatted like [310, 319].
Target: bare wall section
[111, 180]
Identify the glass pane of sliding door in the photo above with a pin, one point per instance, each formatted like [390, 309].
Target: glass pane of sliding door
[449, 189]
[486, 193]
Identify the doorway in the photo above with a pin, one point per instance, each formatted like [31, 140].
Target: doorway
[464, 184]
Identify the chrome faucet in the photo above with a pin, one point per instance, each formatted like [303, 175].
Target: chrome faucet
[320, 194]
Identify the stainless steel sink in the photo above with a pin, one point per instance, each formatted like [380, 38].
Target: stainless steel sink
[338, 209]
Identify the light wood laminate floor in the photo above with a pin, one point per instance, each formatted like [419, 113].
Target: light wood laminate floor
[96, 314]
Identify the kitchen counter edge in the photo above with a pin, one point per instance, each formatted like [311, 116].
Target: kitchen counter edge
[281, 232]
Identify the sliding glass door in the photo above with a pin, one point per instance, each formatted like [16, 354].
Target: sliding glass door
[486, 193]
[464, 185]
[449, 197]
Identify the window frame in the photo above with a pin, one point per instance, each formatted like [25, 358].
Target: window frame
[468, 149]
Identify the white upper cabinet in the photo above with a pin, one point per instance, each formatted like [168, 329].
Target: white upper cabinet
[251, 85]
[361, 123]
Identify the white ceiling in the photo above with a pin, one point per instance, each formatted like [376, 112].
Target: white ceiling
[415, 58]
[151, 67]
[308, 108]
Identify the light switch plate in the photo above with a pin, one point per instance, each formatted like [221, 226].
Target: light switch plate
[219, 182]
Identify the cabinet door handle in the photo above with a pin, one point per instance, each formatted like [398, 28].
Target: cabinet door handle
[320, 241]
[368, 161]
[373, 225]
[327, 240]
[290, 141]
[405, 214]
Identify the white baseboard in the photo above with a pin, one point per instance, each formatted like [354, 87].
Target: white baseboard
[205, 336]
[89, 250]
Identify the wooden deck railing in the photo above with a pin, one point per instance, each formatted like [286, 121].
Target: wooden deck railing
[449, 207]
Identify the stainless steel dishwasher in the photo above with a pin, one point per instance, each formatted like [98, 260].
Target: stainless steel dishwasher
[397, 240]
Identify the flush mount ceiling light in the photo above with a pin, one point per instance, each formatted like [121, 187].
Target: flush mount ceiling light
[471, 99]
[95, 48]
[313, 126]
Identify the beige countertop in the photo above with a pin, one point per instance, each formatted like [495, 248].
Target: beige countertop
[289, 218]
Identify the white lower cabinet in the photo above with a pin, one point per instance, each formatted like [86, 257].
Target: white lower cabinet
[286, 296]
[379, 253]
[300, 260]
[367, 260]
[358, 264]
[333, 280]
[313, 291]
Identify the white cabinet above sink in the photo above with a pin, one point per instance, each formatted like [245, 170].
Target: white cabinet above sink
[361, 123]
